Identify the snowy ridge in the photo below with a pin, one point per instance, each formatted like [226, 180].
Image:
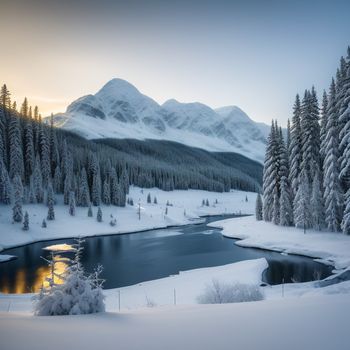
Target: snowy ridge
[119, 110]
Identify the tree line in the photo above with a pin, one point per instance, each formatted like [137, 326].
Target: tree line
[306, 179]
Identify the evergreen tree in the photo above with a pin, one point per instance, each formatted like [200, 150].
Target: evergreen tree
[270, 174]
[26, 222]
[332, 190]
[17, 214]
[345, 224]
[155, 200]
[44, 156]
[29, 160]
[302, 209]
[37, 181]
[106, 192]
[43, 224]
[71, 203]
[15, 149]
[149, 199]
[50, 203]
[286, 209]
[57, 180]
[84, 189]
[295, 151]
[99, 214]
[310, 134]
[90, 214]
[67, 189]
[96, 189]
[317, 206]
[5, 185]
[323, 128]
[258, 208]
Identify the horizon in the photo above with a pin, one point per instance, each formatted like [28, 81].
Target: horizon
[246, 54]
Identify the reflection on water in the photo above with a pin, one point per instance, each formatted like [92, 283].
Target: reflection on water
[144, 256]
[21, 281]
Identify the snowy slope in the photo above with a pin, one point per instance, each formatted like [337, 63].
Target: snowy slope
[119, 110]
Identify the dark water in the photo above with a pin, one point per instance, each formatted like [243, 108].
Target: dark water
[133, 258]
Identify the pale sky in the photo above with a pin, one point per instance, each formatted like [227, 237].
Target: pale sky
[255, 54]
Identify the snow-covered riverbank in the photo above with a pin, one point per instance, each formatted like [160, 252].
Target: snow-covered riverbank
[185, 206]
[327, 247]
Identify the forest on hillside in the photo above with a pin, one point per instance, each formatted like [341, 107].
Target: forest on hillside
[38, 161]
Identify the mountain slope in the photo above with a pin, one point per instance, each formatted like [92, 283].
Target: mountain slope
[120, 111]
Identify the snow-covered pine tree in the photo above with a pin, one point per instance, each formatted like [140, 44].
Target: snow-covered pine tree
[17, 214]
[317, 204]
[276, 207]
[57, 180]
[37, 181]
[295, 152]
[26, 222]
[155, 200]
[5, 185]
[332, 190]
[323, 127]
[258, 208]
[90, 214]
[149, 199]
[72, 203]
[286, 209]
[302, 209]
[29, 160]
[50, 201]
[270, 174]
[54, 154]
[106, 192]
[84, 189]
[310, 134]
[15, 148]
[96, 189]
[99, 214]
[44, 156]
[345, 224]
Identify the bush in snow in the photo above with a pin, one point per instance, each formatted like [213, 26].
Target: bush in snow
[149, 199]
[99, 214]
[222, 293]
[155, 200]
[207, 203]
[43, 224]
[26, 222]
[166, 211]
[78, 294]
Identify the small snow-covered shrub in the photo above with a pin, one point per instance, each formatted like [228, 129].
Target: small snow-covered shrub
[78, 294]
[219, 292]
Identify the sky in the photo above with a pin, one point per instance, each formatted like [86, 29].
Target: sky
[255, 54]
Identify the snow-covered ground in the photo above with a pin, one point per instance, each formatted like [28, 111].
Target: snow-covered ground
[299, 315]
[185, 207]
[319, 322]
[327, 247]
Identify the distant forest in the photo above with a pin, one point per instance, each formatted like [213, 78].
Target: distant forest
[38, 160]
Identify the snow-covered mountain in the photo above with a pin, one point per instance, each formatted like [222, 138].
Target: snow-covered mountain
[119, 110]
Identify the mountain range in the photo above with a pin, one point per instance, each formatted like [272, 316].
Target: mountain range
[119, 110]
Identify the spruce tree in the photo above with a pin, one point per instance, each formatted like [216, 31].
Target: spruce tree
[258, 208]
[295, 152]
[72, 203]
[26, 222]
[99, 214]
[332, 190]
[302, 209]
[317, 206]
[286, 208]
[37, 181]
[15, 149]
[106, 194]
[90, 214]
[50, 203]
[149, 199]
[17, 214]
[84, 189]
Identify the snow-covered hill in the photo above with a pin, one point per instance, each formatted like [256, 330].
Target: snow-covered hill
[119, 110]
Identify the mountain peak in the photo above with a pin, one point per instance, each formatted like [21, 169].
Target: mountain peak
[118, 86]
